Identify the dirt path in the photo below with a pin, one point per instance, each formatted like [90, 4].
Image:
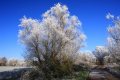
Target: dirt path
[101, 75]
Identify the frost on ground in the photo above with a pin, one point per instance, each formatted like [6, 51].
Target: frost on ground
[12, 73]
[9, 68]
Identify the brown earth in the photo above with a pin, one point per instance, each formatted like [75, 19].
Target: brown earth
[101, 75]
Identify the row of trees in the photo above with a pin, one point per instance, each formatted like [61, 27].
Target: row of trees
[13, 62]
[3, 61]
[111, 52]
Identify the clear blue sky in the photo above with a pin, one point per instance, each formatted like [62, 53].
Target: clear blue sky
[90, 12]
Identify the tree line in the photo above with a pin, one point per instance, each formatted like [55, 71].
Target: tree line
[12, 62]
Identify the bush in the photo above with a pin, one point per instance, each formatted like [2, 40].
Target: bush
[55, 68]
[83, 75]
[53, 42]
[32, 75]
[13, 62]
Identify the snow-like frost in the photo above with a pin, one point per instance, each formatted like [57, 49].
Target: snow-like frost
[57, 25]
[109, 16]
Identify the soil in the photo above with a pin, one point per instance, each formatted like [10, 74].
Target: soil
[101, 74]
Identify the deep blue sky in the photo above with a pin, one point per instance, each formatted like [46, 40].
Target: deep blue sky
[90, 12]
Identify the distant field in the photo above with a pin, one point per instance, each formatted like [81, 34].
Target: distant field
[8, 68]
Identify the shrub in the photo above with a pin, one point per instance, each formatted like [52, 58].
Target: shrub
[52, 44]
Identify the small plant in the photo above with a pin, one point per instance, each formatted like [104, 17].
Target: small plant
[82, 75]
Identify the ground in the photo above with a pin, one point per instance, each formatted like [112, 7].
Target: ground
[101, 74]
[96, 73]
[8, 68]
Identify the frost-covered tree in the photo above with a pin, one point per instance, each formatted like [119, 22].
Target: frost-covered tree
[100, 53]
[3, 61]
[13, 62]
[54, 40]
[114, 38]
[85, 57]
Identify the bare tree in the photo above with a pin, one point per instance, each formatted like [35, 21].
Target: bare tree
[100, 53]
[52, 43]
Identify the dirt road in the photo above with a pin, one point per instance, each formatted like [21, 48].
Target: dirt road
[101, 75]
